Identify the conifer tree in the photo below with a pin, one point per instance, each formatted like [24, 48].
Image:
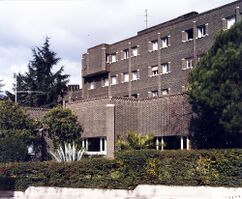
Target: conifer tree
[215, 91]
[40, 86]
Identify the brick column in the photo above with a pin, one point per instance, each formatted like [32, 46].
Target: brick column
[194, 43]
[159, 64]
[237, 14]
[130, 68]
[109, 127]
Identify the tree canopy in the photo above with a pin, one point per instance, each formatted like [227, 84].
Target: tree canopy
[40, 86]
[62, 126]
[215, 92]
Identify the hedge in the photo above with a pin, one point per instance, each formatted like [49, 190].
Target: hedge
[130, 168]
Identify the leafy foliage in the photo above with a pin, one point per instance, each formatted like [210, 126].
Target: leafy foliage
[68, 153]
[131, 168]
[215, 92]
[45, 86]
[62, 125]
[12, 149]
[135, 141]
[17, 131]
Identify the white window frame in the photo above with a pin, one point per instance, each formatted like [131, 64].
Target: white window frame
[154, 93]
[165, 92]
[102, 151]
[164, 42]
[126, 77]
[201, 31]
[186, 31]
[113, 58]
[114, 80]
[126, 54]
[230, 21]
[91, 85]
[165, 68]
[135, 75]
[189, 63]
[154, 45]
[105, 82]
[135, 51]
[155, 71]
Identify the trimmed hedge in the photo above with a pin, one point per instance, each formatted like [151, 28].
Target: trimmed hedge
[130, 168]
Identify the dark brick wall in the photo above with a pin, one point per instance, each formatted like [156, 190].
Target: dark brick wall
[166, 115]
[174, 54]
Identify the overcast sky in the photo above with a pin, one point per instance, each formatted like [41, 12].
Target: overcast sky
[75, 25]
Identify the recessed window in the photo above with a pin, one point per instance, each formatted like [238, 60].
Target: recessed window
[154, 70]
[105, 82]
[154, 93]
[126, 77]
[187, 63]
[135, 51]
[165, 92]
[126, 54]
[113, 57]
[95, 145]
[135, 75]
[164, 42]
[113, 80]
[108, 58]
[154, 45]
[165, 68]
[230, 22]
[136, 95]
[91, 85]
[187, 35]
[201, 31]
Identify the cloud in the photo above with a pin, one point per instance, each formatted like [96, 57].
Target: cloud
[76, 25]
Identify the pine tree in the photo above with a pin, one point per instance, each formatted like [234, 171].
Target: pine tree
[215, 92]
[40, 87]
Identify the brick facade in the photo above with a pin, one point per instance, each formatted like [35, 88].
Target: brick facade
[174, 52]
[153, 67]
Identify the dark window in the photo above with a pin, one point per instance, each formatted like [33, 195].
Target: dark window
[189, 34]
[94, 144]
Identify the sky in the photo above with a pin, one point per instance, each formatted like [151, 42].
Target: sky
[76, 25]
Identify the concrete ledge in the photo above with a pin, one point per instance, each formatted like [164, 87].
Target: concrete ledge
[140, 192]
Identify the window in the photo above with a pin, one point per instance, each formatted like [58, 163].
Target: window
[154, 45]
[154, 70]
[201, 31]
[187, 63]
[187, 35]
[107, 58]
[164, 42]
[135, 51]
[91, 86]
[165, 68]
[113, 80]
[113, 57]
[105, 82]
[154, 93]
[95, 145]
[230, 22]
[126, 54]
[164, 92]
[126, 77]
[136, 95]
[135, 75]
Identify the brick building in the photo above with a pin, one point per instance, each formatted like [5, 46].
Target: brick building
[153, 67]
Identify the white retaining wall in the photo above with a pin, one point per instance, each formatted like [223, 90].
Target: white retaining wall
[140, 192]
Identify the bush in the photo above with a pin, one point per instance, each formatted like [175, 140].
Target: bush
[131, 168]
[12, 149]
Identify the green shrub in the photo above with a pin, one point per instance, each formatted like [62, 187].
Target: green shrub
[12, 149]
[131, 168]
